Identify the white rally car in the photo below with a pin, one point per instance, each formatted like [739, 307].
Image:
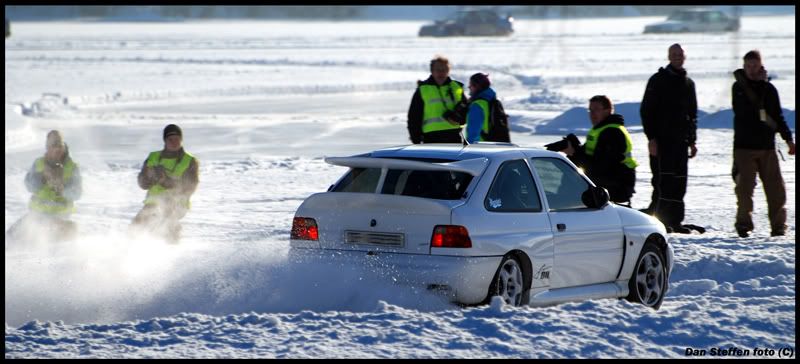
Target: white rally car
[488, 219]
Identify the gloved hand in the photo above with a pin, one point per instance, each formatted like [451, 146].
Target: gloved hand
[450, 116]
[53, 176]
[150, 174]
[168, 182]
[762, 74]
[47, 175]
[158, 174]
[58, 187]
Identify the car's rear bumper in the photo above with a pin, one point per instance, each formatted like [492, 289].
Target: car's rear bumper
[463, 279]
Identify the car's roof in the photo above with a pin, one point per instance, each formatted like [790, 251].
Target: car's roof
[476, 11]
[696, 10]
[455, 152]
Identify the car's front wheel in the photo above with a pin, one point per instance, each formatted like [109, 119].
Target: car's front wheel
[648, 283]
[509, 282]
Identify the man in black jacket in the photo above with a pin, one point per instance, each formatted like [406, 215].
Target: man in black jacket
[757, 117]
[606, 155]
[669, 119]
[438, 107]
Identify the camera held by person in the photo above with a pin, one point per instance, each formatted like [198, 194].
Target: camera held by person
[568, 141]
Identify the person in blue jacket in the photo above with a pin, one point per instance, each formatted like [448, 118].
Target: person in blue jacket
[481, 96]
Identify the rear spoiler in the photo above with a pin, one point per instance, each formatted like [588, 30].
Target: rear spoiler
[470, 166]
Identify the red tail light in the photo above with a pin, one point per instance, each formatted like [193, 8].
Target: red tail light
[450, 236]
[304, 228]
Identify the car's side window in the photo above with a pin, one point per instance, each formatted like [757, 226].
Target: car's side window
[563, 186]
[359, 180]
[487, 18]
[473, 18]
[513, 189]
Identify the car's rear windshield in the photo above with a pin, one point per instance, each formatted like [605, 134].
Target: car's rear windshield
[439, 185]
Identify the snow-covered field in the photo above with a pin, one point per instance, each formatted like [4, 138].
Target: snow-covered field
[261, 104]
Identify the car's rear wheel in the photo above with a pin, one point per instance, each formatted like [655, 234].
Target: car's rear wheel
[648, 283]
[509, 282]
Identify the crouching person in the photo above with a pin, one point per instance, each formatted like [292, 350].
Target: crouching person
[170, 177]
[55, 182]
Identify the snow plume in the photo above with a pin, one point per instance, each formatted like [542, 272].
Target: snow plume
[113, 277]
[262, 277]
[93, 278]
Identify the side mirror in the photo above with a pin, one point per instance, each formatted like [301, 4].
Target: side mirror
[595, 197]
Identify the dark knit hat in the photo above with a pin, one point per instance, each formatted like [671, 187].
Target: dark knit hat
[172, 129]
[480, 80]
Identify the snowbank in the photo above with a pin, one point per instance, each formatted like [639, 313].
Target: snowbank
[576, 120]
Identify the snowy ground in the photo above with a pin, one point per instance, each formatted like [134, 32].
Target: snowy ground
[261, 103]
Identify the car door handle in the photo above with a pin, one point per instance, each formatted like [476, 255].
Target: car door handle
[561, 227]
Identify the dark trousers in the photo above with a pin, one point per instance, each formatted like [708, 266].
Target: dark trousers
[161, 219]
[750, 162]
[669, 168]
[443, 136]
[620, 183]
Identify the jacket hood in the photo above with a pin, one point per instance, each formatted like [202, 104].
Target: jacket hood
[740, 74]
[488, 94]
[672, 71]
[611, 119]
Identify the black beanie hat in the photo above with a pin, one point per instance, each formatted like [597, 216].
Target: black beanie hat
[480, 80]
[172, 129]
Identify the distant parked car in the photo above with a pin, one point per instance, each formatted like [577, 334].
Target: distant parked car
[485, 220]
[470, 23]
[695, 20]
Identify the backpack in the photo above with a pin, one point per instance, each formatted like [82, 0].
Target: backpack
[498, 123]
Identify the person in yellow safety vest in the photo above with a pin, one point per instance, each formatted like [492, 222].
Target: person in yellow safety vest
[55, 181]
[606, 155]
[438, 107]
[170, 177]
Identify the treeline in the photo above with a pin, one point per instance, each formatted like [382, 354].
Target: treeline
[417, 12]
[181, 12]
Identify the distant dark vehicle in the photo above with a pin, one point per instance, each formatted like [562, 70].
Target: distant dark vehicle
[470, 23]
[8, 28]
[695, 20]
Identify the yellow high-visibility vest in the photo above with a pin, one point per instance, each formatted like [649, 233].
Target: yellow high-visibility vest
[484, 105]
[438, 99]
[175, 169]
[46, 200]
[594, 134]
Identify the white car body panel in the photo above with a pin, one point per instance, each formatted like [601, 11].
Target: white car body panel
[593, 257]
[595, 291]
[412, 217]
[589, 250]
[452, 276]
